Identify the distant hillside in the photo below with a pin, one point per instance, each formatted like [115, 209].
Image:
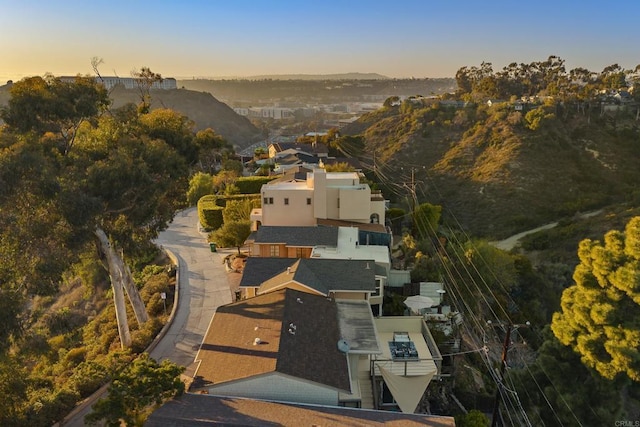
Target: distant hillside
[496, 175]
[342, 76]
[201, 107]
[292, 92]
[4, 95]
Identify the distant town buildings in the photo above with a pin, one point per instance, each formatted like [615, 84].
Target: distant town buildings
[275, 113]
[335, 115]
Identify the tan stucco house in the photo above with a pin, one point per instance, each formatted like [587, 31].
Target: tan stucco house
[323, 195]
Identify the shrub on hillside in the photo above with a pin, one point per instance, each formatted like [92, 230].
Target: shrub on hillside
[239, 210]
[209, 213]
[200, 185]
[141, 338]
[252, 184]
[87, 377]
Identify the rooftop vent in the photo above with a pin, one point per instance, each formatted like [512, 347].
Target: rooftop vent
[298, 300]
[257, 341]
[343, 346]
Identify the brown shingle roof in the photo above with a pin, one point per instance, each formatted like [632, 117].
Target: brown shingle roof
[192, 410]
[228, 352]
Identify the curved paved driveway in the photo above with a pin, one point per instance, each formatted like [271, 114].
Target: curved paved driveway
[203, 287]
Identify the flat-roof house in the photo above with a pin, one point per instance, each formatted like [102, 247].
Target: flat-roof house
[323, 195]
[410, 359]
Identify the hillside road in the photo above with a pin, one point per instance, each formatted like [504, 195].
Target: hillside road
[511, 241]
[203, 287]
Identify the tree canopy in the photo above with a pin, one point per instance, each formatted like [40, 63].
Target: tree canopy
[599, 316]
[50, 104]
[143, 384]
[232, 234]
[548, 77]
[67, 170]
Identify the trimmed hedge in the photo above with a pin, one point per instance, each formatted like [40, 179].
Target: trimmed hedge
[209, 212]
[221, 200]
[252, 184]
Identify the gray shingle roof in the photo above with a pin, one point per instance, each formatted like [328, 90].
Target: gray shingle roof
[312, 353]
[325, 275]
[309, 148]
[298, 236]
[296, 173]
[257, 270]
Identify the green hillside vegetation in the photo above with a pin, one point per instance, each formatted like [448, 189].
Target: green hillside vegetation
[476, 172]
[510, 151]
[83, 187]
[201, 108]
[513, 165]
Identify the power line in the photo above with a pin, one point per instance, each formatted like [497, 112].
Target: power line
[383, 174]
[504, 311]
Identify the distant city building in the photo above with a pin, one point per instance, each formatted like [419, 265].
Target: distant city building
[275, 113]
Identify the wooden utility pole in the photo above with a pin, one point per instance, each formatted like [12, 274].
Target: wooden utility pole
[503, 364]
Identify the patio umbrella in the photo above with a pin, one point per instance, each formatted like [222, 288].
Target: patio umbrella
[418, 302]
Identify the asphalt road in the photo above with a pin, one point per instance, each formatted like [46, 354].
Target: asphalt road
[203, 287]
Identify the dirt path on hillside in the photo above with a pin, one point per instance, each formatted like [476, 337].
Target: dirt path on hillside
[512, 241]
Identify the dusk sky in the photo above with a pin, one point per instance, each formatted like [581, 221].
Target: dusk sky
[411, 38]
